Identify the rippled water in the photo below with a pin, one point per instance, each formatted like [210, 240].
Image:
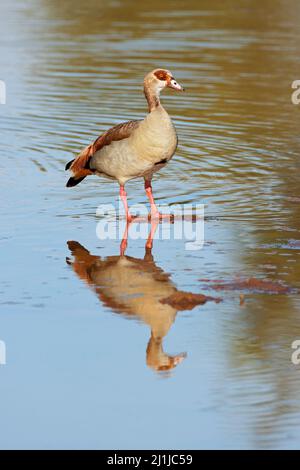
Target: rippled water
[82, 363]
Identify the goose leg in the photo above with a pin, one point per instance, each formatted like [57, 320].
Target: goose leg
[154, 211]
[154, 214]
[149, 242]
[124, 241]
[123, 196]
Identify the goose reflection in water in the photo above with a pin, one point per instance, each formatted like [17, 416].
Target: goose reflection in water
[135, 286]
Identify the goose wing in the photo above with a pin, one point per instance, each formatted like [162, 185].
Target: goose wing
[80, 165]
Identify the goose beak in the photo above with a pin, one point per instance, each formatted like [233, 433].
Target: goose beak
[175, 85]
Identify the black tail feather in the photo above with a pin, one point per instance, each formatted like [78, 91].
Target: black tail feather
[69, 164]
[74, 181]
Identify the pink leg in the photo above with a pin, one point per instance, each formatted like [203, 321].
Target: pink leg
[155, 214]
[149, 242]
[123, 244]
[154, 211]
[123, 196]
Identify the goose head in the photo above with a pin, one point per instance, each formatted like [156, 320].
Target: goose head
[157, 359]
[159, 79]
[155, 82]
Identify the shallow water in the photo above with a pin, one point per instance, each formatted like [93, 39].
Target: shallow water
[81, 365]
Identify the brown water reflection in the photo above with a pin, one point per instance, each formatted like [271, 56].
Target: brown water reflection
[137, 287]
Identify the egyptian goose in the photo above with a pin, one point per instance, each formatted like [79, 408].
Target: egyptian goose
[133, 149]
